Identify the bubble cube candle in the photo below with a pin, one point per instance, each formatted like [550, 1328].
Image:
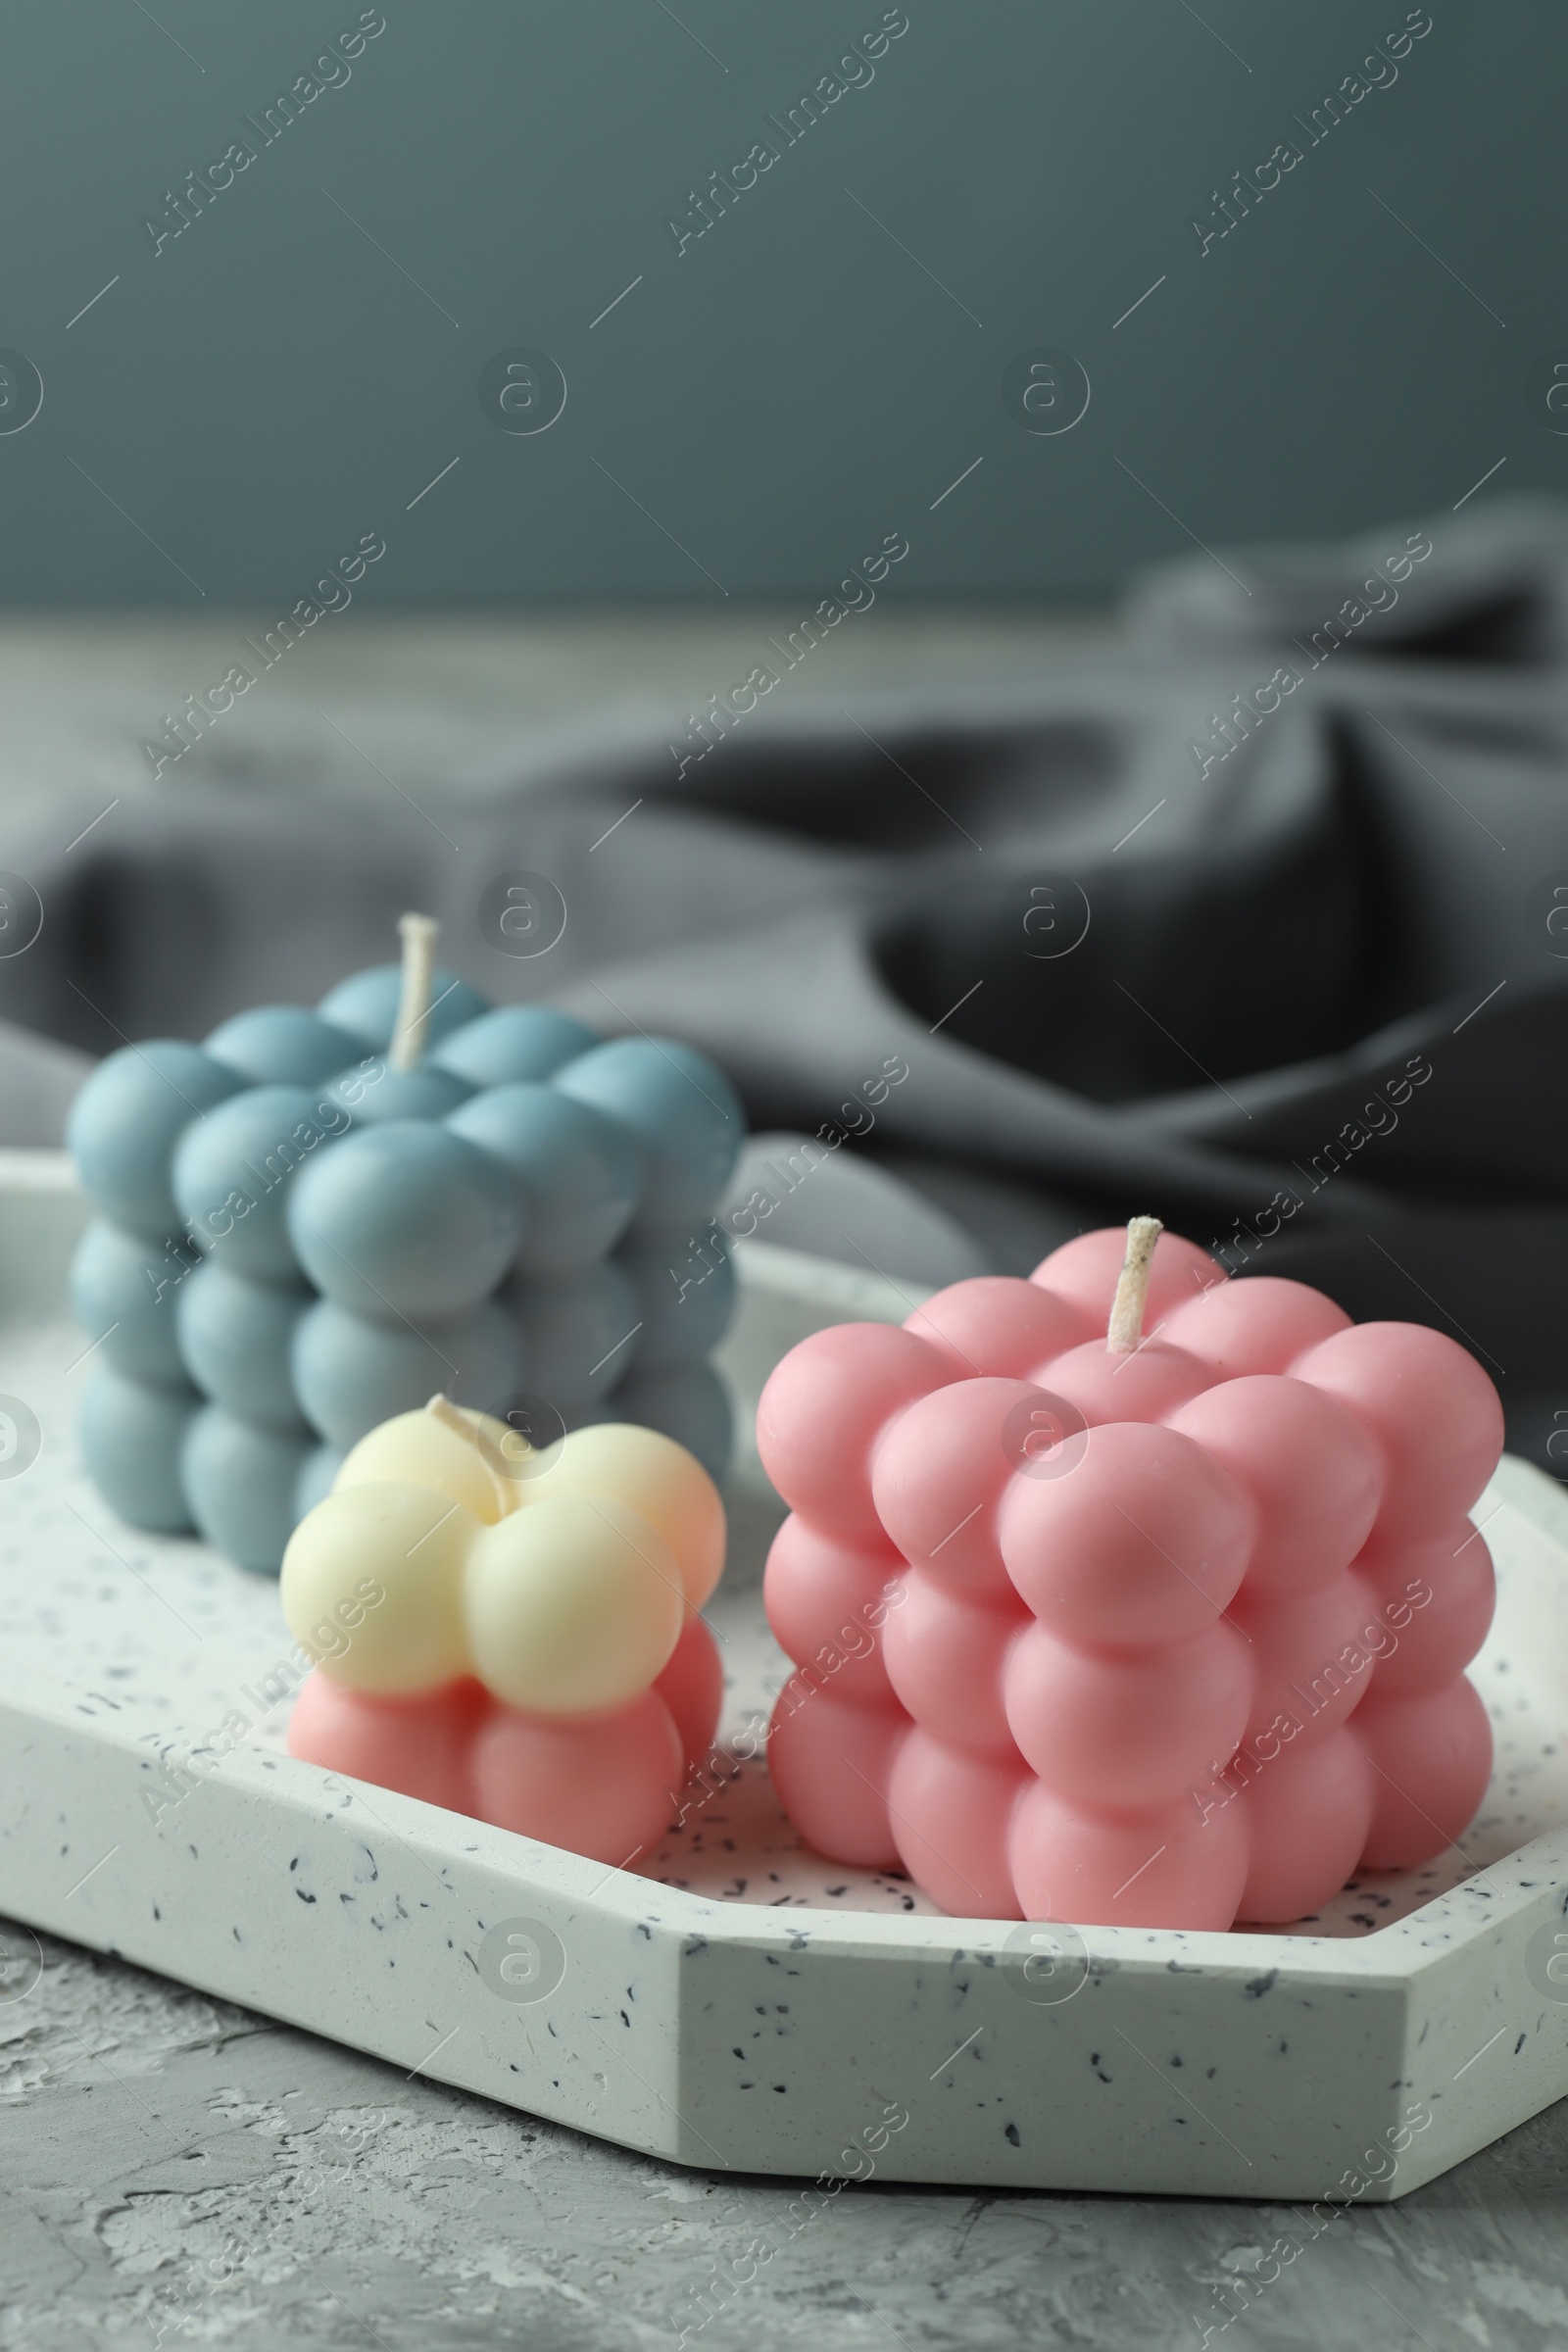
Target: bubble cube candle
[512, 1632]
[311, 1221]
[1162, 1630]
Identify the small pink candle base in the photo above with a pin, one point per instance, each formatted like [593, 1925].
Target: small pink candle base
[605, 1785]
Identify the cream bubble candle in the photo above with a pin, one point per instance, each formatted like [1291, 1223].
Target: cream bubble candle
[534, 1655]
[1174, 1585]
[311, 1221]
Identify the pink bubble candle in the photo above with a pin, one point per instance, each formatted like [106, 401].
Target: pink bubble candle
[509, 1634]
[1163, 1586]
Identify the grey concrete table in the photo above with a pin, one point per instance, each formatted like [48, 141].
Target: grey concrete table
[415, 702]
[174, 2168]
[169, 2162]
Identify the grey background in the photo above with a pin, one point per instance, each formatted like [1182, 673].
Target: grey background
[796, 383]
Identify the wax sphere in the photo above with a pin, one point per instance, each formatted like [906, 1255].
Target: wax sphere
[366, 1004]
[235, 1171]
[123, 1293]
[240, 1482]
[132, 1437]
[423, 1448]
[952, 1817]
[280, 1044]
[405, 1219]
[602, 1788]
[1259, 1325]
[1314, 1473]
[1146, 1541]
[1429, 1405]
[1085, 1271]
[317, 1474]
[829, 1602]
[1143, 1385]
[945, 1652]
[1431, 1760]
[122, 1128]
[650, 1475]
[579, 1169]
[941, 1469]
[692, 1686]
[1433, 1603]
[831, 1761]
[1307, 1815]
[1170, 1867]
[685, 1301]
[684, 1111]
[515, 1040]
[367, 1097]
[1133, 1728]
[995, 1324]
[823, 1409]
[351, 1374]
[236, 1337]
[419, 1745]
[692, 1407]
[573, 1602]
[382, 1565]
[1311, 1663]
[579, 1339]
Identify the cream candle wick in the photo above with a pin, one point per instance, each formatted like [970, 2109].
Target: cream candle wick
[1126, 1326]
[441, 1408]
[503, 1475]
[413, 1005]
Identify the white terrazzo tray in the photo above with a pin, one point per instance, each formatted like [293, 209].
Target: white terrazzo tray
[742, 2005]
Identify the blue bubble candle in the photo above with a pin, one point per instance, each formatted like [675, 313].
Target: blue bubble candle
[317, 1220]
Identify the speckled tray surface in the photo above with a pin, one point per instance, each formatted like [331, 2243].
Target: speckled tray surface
[121, 1653]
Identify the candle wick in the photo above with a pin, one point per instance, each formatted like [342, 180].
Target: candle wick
[1126, 1326]
[414, 1004]
[441, 1408]
[474, 1433]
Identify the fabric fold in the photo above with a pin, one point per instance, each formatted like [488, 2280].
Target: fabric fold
[1283, 962]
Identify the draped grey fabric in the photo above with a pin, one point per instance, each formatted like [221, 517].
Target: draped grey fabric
[1250, 924]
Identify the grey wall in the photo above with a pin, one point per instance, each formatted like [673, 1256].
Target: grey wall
[814, 370]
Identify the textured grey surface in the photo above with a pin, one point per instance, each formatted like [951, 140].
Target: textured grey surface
[166, 2160]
